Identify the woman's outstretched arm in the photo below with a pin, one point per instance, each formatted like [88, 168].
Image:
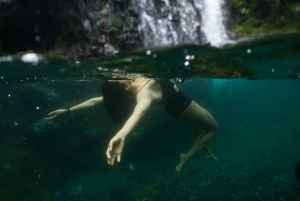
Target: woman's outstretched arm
[87, 104]
[116, 144]
[55, 115]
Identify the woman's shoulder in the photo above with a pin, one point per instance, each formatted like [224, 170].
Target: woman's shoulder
[152, 90]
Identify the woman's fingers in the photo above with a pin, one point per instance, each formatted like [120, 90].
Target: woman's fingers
[112, 160]
[108, 153]
[49, 121]
[49, 118]
[119, 158]
[51, 113]
[113, 151]
[54, 116]
[111, 156]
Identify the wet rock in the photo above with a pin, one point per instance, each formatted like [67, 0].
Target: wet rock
[83, 28]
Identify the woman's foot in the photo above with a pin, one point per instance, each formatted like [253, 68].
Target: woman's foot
[182, 161]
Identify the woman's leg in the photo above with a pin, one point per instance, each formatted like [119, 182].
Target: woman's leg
[205, 128]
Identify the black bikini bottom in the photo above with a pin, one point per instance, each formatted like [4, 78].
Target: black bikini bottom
[174, 102]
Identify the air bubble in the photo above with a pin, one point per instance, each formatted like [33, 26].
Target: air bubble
[179, 80]
[148, 52]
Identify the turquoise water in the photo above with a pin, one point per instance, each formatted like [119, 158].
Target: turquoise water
[254, 96]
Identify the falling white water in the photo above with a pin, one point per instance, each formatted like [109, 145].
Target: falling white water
[213, 16]
[167, 22]
[156, 26]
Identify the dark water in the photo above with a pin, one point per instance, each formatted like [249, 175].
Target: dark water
[258, 113]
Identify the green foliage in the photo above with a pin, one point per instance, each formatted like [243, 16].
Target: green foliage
[117, 24]
[244, 11]
[255, 17]
[116, 28]
[295, 7]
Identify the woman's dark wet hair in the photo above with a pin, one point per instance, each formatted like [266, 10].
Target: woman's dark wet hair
[118, 102]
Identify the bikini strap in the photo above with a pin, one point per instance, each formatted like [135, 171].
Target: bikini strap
[144, 85]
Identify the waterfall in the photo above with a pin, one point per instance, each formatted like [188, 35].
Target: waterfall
[213, 22]
[169, 22]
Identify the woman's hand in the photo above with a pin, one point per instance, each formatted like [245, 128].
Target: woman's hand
[55, 116]
[115, 149]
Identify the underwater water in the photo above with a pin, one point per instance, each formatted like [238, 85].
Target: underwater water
[252, 90]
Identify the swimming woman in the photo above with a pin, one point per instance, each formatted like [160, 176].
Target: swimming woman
[127, 101]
